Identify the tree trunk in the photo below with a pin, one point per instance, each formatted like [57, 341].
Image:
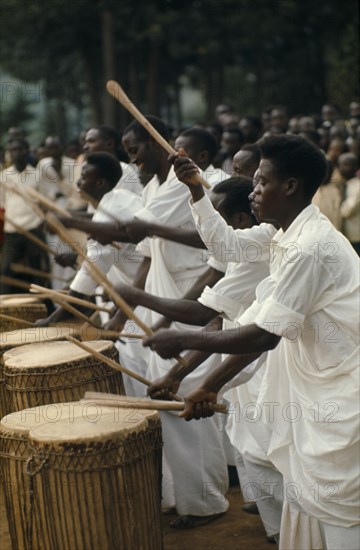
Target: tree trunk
[152, 94]
[108, 57]
[92, 86]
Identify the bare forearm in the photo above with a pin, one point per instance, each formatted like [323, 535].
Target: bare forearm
[189, 238]
[244, 340]
[193, 359]
[184, 311]
[227, 371]
[106, 232]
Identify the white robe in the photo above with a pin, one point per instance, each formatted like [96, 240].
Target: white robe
[309, 396]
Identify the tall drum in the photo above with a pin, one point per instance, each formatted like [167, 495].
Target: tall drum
[56, 372]
[21, 508]
[23, 307]
[97, 485]
[21, 337]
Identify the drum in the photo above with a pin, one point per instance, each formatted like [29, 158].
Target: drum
[20, 337]
[21, 510]
[26, 307]
[56, 372]
[97, 485]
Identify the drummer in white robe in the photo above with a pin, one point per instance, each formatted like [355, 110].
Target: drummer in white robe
[308, 307]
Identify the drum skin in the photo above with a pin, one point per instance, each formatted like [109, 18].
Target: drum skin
[27, 308]
[85, 481]
[15, 453]
[56, 372]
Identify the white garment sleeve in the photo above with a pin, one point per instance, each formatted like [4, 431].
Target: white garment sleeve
[298, 287]
[224, 305]
[103, 257]
[226, 244]
[169, 207]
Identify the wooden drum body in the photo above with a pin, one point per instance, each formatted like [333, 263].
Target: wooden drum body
[27, 308]
[21, 337]
[21, 508]
[56, 372]
[97, 485]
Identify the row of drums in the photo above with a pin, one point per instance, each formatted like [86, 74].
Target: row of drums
[74, 475]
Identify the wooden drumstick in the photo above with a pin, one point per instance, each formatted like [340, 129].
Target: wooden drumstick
[73, 310]
[110, 362]
[114, 364]
[101, 279]
[18, 268]
[125, 401]
[16, 319]
[32, 238]
[15, 282]
[66, 298]
[118, 93]
[104, 334]
[50, 205]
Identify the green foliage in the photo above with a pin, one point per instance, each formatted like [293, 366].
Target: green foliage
[253, 52]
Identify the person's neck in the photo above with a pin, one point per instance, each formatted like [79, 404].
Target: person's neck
[291, 214]
[163, 171]
[20, 166]
[203, 165]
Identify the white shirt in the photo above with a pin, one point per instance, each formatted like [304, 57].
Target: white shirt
[167, 204]
[214, 175]
[130, 179]
[121, 204]
[51, 183]
[226, 244]
[235, 292]
[311, 299]
[17, 208]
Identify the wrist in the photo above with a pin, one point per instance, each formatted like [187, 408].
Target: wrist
[197, 192]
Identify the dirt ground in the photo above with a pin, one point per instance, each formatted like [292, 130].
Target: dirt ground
[235, 530]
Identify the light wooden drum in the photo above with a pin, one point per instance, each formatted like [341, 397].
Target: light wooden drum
[21, 508]
[56, 372]
[97, 485]
[21, 337]
[26, 307]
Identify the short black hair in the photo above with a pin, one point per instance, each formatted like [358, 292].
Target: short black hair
[237, 190]
[108, 166]
[204, 140]
[254, 149]
[142, 134]
[108, 132]
[295, 156]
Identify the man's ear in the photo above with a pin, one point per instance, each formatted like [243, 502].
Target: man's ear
[239, 220]
[101, 183]
[292, 186]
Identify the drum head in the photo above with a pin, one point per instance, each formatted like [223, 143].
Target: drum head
[21, 337]
[116, 425]
[49, 354]
[22, 422]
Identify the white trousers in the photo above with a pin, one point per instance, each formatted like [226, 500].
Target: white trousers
[197, 461]
[266, 486]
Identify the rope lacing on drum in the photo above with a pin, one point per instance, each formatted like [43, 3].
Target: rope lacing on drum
[31, 471]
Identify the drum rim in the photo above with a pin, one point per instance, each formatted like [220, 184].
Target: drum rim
[13, 354]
